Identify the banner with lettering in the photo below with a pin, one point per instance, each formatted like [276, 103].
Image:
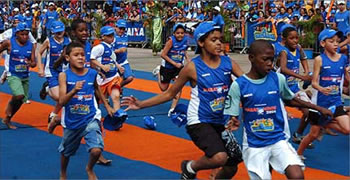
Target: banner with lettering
[262, 30]
[136, 32]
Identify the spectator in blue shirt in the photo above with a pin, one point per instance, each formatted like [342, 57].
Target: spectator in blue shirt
[50, 17]
[28, 19]
[217, 18]
[342, 18]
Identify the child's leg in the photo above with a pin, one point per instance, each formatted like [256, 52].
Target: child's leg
[174, 103]
[294, 172]
[303, 121]
[115, 95]
[309, 138]
[12, 107]
[64, 164]
[54, 93]
[128, 76]
[94, 155]
[342, 124]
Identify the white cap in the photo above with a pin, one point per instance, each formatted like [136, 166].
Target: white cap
[16, 9]
[217, 8]
[27, 12]
[45, 10]
[51, 4]
[35, 5]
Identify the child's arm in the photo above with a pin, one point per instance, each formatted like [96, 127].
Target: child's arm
[304, 63]
[165, 56]
[5, 45]
[236, 69]
[43, 48]
[65, 97]
[285, 70]
[96, 52]
[100, 96]
[315, 80]
[297, 102]
[188, 73]
[60, 59]
[120, 50]
[32, 61]
[232, 106]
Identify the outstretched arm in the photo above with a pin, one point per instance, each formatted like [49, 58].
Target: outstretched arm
[188, 73]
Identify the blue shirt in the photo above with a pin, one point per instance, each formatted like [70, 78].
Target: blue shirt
[177, 52]
[87, 51]
[332, 76]
[53, 54]
[342, 19]
[121, 42]
[18, 56]
[208, 96]
[265, 119]
[28, 20]
[83, 107]
[219, 20]
[50, 16]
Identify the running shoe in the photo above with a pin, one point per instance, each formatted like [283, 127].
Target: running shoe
[185, 174]
[43, 92]
[156, 71]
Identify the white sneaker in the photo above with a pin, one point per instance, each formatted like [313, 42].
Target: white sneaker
[170, 111]
[27, 102]
[156, 70]
[302, 157]
[3, 77]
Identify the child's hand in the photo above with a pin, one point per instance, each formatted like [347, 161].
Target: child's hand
[79, 85]
[178, 65]
[121, 69]
[326, 112]
[307, 78]
[131, 102]
[233, 124]
[106, 68]
[326, 90]
[109, 110]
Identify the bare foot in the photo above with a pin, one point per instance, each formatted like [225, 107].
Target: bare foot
[8, 124]
[63, 176]
[91, 174]
[103, 161]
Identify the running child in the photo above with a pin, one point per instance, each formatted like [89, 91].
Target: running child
[21, 57]
[327, 81]
[209, 75]
[54, 47]
[78, 90]
[173, 56]
[289, 61]
[265, 137]
[120, 45]
[104, 59]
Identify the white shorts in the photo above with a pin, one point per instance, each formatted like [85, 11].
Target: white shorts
[303, 96]
[279, 155]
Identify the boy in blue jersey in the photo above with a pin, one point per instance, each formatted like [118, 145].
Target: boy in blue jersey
[210, 77]
[78, 90]
[265, 138]
[54, 47]
[21, 58]
[327, 81]
[120, 46]
[104, 59]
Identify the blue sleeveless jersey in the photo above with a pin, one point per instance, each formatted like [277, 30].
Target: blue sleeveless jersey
[331, 75]
[107, 59]
[87, 54]
[18, 57]
[54, 53]
[208, 96]
[177, 52]
[262, 111]
[121, 42]
[83, 107]
[293, 64]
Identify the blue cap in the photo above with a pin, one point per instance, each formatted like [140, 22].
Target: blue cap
[204, 28]
[272, 5]
[19, 18]
[121, 23]
[177, 26]
[149, 122]
[57, 26]
[179, 115]
[116, 122]
[107, 30]
[328, 33]
[22, 27]
[285, 26]
[333, 12]
[273, 11]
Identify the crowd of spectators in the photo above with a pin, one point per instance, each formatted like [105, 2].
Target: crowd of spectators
[37, 13]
